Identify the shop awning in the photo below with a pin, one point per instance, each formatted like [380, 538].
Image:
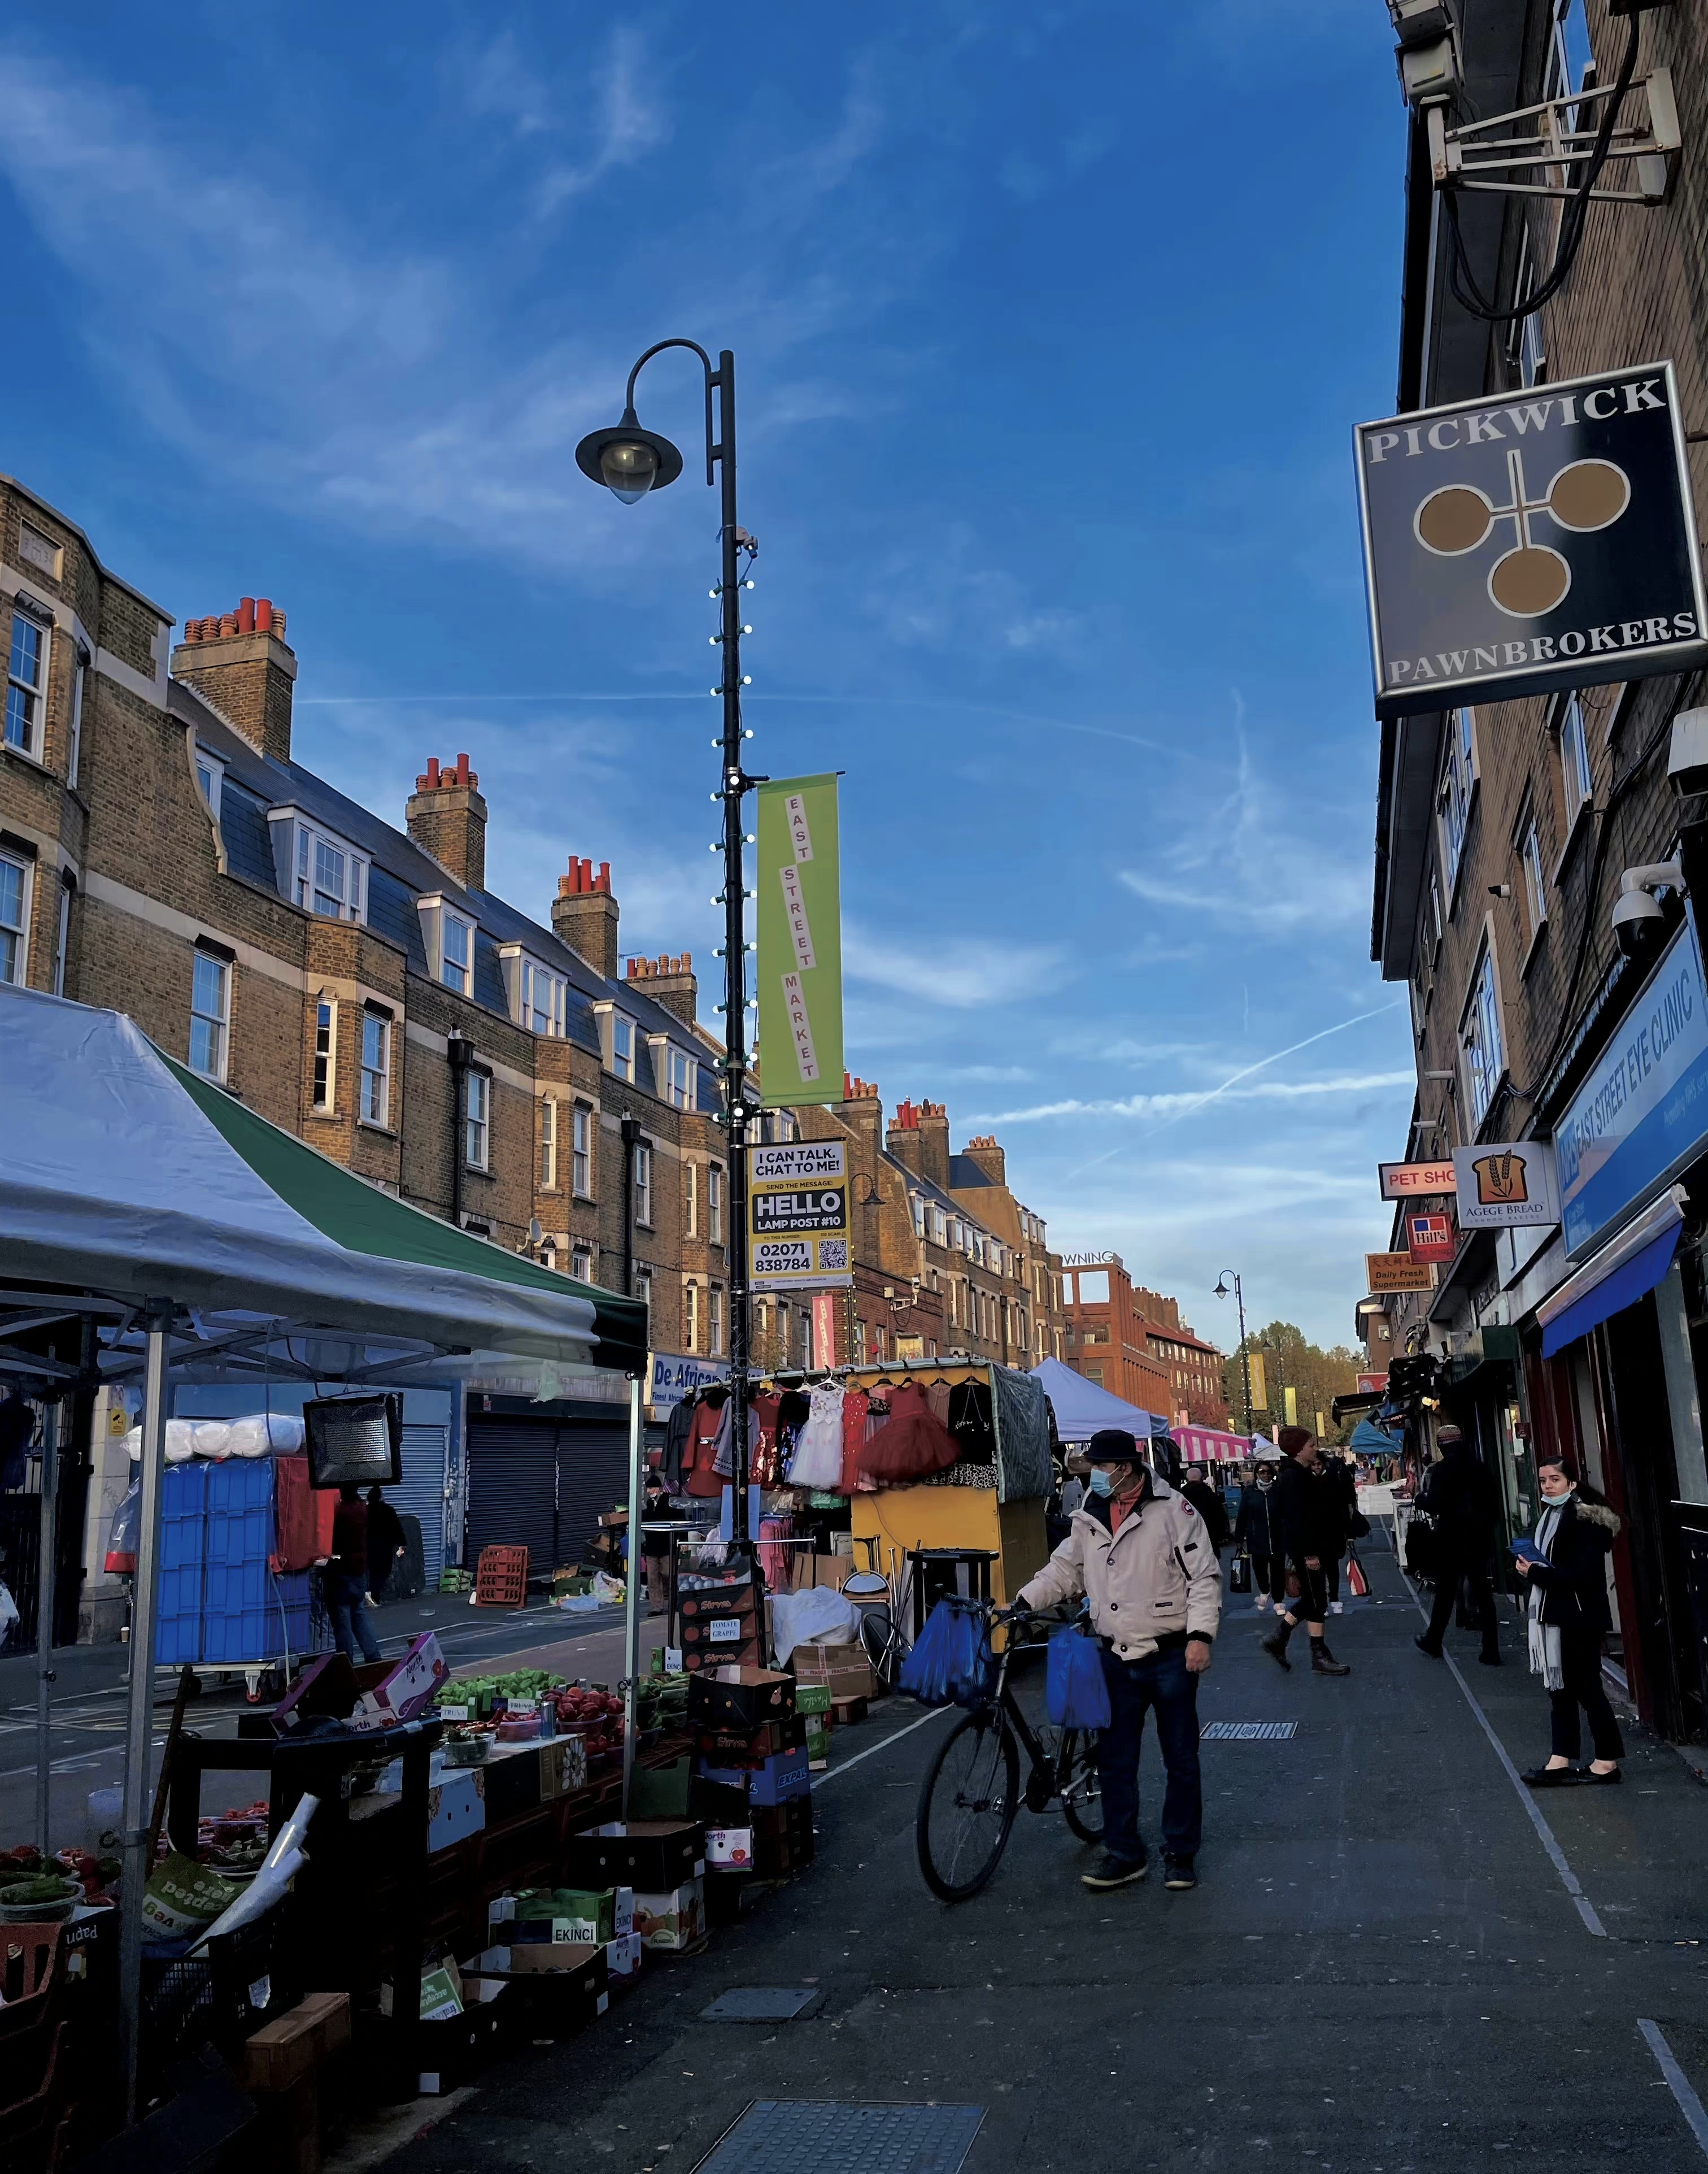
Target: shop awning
[1081, 1407]
[1356, 1400]
[1623, 1271]
[121, 1172]
[1369, 1439]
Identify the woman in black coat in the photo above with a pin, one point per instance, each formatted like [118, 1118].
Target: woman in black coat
[1569, 1618]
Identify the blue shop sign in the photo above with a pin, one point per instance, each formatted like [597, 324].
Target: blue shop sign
[675, 1376]
[1642, 1113]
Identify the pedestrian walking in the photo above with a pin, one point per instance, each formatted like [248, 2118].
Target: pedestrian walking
[1141, 1555]
[1308, 1514]
[1564, 1568]
[1459, 1495]
[384, 1543]
[1208, 1503]
[1336, 1475]
[1257, 1531]
[347, 1577]
[655, 1548]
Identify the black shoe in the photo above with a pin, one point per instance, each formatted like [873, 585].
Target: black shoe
[1600, 1781]
[1276, 1647]
[1552, 1777]
[1178, 1874]
[1113, 1872]
[1422, 1642]
[1323, 1663]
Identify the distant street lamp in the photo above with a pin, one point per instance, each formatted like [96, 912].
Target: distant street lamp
[630, 462]
[1245, 1359]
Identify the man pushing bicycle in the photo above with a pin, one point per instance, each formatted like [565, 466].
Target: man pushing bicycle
[1142, 1556]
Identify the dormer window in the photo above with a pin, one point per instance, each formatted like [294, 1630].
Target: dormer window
[622, 1046]
[539, 998]
[456, 951]
[679, 1070]
[210, 776]
[318, 870]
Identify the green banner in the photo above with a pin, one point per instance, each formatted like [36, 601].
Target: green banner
[800, 942]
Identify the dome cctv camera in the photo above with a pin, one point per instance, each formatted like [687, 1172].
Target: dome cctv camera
[1638, 921]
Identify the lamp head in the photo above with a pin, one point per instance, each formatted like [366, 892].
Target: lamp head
[1221, 1290]
[628, 460]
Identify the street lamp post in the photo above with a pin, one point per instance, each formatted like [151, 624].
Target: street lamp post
[630, 462]
[1245, 1356]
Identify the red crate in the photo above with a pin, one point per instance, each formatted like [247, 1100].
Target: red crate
[500, 1577]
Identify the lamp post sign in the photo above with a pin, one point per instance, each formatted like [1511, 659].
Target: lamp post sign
[1543, 539]
[797, 1216]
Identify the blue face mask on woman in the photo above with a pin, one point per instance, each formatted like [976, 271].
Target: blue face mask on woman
[1101, 1482]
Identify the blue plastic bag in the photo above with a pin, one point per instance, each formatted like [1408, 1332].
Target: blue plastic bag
[1075, 1694]
[950, 1661]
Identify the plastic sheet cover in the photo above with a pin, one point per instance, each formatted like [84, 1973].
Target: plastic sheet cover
[1023, 1438]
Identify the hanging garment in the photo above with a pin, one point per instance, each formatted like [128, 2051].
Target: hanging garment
[856, 1407]
[776, 1558]
[940, 1396]
[818, 1453]
[710, 1424]
[794, 1409]
[970, 1421]
[913, 1446]
[302, 1515]
[679, 1433]
[763, 1468]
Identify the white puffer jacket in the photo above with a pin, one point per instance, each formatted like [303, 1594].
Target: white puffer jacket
[1158, 1575]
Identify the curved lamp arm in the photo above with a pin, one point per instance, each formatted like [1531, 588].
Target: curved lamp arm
[713, 450]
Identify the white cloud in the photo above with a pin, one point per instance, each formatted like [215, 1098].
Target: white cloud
[630, 125]
[1184, 1104]
[964, 974]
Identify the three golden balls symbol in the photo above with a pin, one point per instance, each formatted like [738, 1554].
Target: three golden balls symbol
[1531, 578]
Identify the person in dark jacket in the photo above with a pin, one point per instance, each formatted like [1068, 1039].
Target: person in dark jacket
[1565, 1570]
[1342, 1482]
[1308, 1513]
[1208, 1503]
[1459, 1495]
[387, 1547]
[1257, 1531]
[347, 1577]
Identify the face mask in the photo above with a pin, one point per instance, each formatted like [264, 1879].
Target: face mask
[1101, 1483]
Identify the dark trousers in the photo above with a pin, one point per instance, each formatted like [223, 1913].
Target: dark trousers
[1450, 1571]
[351, 1628]
[1161, 1685]
[1312, 1603]
[1269, 1575]
[1579, 1655]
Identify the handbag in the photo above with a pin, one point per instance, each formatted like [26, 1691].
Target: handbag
[1356, 1584]
[1239, 1573]
[1076, 1692]
[1357, 1524]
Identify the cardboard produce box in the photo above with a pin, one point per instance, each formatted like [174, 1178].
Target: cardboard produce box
[812, 1698]
[563, 1767]
[656, 1856]
[844, 1668]
[729, 1848]
[749, 1747]
[740, 1698]
[674, 1920]
[282, 2054]
[622, 1958]
[512, 1773]
[456, 1807]
[780, 1778]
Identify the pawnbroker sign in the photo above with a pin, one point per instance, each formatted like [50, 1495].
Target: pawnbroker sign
[1541, 540]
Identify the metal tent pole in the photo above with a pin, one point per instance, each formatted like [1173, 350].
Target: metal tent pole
[631, 1606]
[44, 1596]
[139, 1706]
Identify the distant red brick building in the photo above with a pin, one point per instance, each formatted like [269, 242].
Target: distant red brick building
[1132, 1342]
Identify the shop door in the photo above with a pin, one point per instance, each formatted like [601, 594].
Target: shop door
[421, 1493]
[1650, 1481]
[592, 1478]
[513, 1488]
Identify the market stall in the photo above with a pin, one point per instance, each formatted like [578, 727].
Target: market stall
[1081, 1407]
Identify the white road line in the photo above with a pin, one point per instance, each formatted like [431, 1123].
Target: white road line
[1677, 2081]
[1569, 1879]
[933, 1713]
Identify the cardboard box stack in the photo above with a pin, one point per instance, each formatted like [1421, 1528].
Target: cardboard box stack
[751, 1779]
[721, 1624]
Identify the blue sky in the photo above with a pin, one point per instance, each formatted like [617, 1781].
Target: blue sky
[1051, 325]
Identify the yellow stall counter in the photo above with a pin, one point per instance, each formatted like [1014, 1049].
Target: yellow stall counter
[902, 1518]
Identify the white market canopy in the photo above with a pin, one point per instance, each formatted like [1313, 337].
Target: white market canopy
[1081, 1407]
[123, 1174]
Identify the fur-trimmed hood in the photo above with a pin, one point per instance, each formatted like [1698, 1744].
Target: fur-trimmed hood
[1597, 1513]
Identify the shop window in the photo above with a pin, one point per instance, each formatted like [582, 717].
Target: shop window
[210, 1006]
[377, 1068]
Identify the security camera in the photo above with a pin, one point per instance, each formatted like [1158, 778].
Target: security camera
[1428, 55]
[1638, 920]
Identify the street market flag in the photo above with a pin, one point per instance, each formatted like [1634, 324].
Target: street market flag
[800, 942]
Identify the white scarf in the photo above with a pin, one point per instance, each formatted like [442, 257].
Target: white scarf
[1545, 1658]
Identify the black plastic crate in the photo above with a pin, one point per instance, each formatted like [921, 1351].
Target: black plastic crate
[221, 1995]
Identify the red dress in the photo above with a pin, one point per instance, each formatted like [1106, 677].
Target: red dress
[913, 1446]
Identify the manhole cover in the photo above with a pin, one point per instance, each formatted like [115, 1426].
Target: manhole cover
[1247, 1731]
[763, 2004]
[830, 2136]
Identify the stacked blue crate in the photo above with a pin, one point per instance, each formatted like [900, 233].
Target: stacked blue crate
[241, 1618]
[183, 1561]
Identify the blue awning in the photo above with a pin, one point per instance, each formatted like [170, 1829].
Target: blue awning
[1588, 1298]
[1369, 1439]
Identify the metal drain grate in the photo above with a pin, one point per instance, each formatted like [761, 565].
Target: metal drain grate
[1247, 1731]
[832, 2136]
[763, 2004]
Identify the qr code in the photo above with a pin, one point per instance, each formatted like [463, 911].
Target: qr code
[833, 1253]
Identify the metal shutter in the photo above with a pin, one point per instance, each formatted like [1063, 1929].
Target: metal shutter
[592, 1478]
[512, 1489]
[422, 1495]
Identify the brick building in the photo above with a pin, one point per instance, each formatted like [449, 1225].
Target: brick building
[1132, 1342]
[1502, 833]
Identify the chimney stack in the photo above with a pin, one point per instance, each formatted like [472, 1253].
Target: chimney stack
[583, 915]
[982, 1149]
[933, 1142]
[669, 981]
[446, 817]
[239, 663]
[903, 1136]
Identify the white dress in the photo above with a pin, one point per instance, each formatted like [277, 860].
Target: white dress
[818, 1452]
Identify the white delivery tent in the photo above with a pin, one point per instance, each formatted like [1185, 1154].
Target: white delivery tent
[194, 1235]
[1081, 1407]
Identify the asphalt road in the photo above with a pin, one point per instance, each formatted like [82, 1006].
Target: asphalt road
[1385, 1968]
[86, 1740]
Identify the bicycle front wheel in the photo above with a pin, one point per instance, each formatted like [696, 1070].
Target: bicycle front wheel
[967, 1804]
[1077, 1778]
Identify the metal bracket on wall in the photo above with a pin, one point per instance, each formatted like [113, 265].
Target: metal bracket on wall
[1539, 150]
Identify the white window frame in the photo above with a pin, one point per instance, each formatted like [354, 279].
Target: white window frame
[1574, 765]
[918, 1203]
[34, 743]
[303, 841]
[18, 932]
[541, 995]
[325, 1022]
[714, 1203]
[80, 664]
[624, 1047]
[714, 1321]
[679, 1070]
[62, 936]
[210, 776]
[219, 1020]
[690, 1178]
[643, 1291]
[581, 1264]
[690, 1316]
[549, 1143]
[477, 1119]
[581, 1153]
[1535, 881]
[1482, 1037]
[374, 1091]
[463, 985]
[1456, 791]
[643, 1184]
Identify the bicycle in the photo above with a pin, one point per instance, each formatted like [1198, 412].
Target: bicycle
[971, 1793]
[881, 1608]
